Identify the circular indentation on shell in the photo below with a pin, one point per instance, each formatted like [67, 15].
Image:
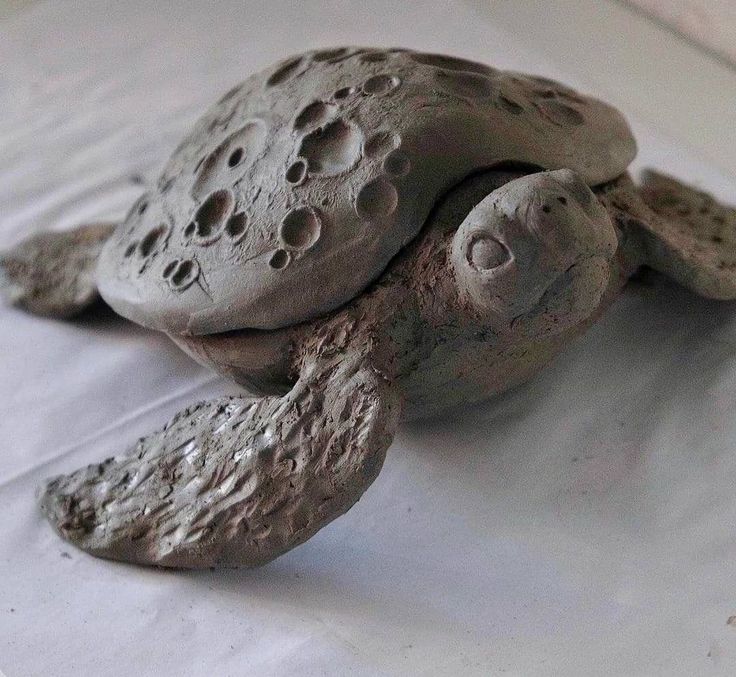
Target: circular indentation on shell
[486, 253]
[332, 149]
[509, 105]
[300, 228]
[151, 239]
[316, 113]
[343, 93]
[464, 84]
[544, 82]
[190, 229]
[235, 158]
[550, 89]
[451, 63]
[230, 93]
[212, 213]
[572, 96]
[170, 268]
[380, 85]
[397, 163]
[164, 185]
[236, 225]
[342, 57]
[138, 208]
[297, 173]
[284, 72]
[280, 259]
[225, 115]
[199, 164]
[381, 144]
[560, 113]
[376, 199]
[373, 57]
[183, 275]
[239, 149]
[329, 54]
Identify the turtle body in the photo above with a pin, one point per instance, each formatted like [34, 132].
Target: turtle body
[355, 236]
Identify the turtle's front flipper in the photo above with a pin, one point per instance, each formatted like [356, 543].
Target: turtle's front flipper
[687, 235]
[53, 274]
[235, 481]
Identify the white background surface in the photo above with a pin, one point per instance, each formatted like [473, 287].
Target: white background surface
[711, 23]
[581, 525]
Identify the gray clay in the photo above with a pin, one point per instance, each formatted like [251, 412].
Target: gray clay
[322, 169]
[357, 236]
[53, 274]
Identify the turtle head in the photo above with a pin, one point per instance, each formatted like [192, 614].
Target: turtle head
[537, 251]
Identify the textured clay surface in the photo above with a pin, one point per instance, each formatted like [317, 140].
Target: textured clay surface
[53, 274]
[296, 189]
[694, 241]
[354, 178]
[554, 272]
[508, 270]
[235, 481]
[241, 480]
[460, 334]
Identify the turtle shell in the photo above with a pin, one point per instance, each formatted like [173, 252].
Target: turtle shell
[295, 190]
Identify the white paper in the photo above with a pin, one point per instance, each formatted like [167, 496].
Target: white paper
[580, 525]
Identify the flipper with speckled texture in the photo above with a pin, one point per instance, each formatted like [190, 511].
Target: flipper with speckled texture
[53, 274]
[693, 238]
[235, 481]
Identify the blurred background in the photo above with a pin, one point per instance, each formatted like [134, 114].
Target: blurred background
[710, 23]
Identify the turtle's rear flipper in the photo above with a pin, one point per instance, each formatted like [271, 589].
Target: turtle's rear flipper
[53, 274]
[235, 481]
[692, 237]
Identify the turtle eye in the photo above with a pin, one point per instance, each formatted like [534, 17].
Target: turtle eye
[486, 252]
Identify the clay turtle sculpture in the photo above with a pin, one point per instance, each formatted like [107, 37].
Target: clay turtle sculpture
[355, 236]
